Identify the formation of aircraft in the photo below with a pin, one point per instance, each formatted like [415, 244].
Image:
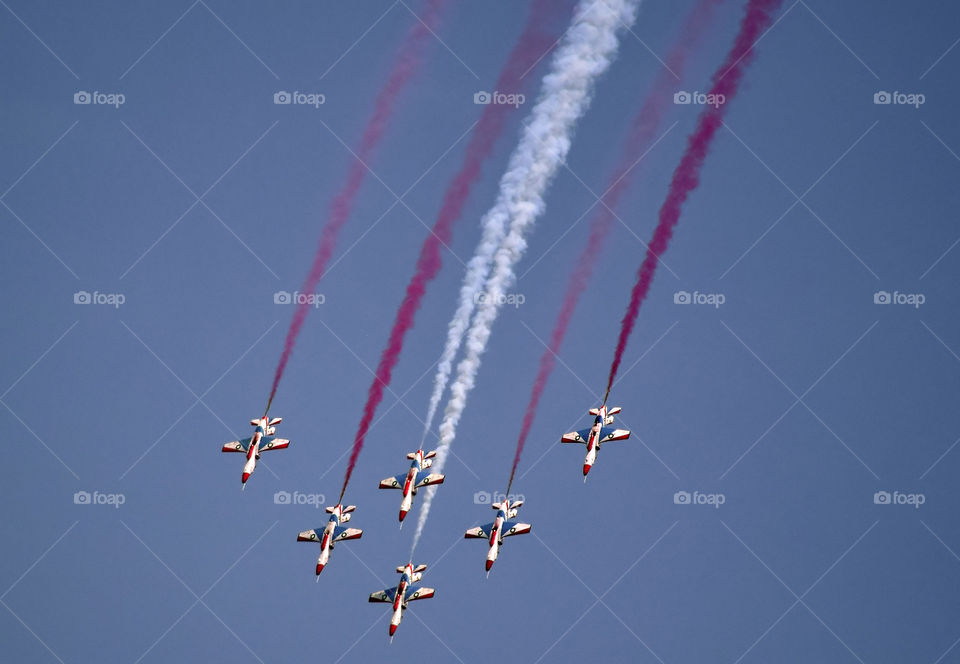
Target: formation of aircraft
[406, 591]
[332, 533]
[500, 528]
[416, 477]
[596, 435]
[262, 440]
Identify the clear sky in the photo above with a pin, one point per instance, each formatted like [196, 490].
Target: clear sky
[189, 205]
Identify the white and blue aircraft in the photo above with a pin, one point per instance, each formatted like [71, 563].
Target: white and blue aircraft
[262, 440]
[333, 532]
[406, 591]
[500, 528]
[413, 479]
[596, 435]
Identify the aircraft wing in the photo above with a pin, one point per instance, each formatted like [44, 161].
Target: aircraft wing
[424, 478]
[479, 532]
[386, 595]
[514, 528]
[418, 592]
[273, 443]
[576, 436]
[238, 446]
[395, 482]
[310, 535]
[343, 533]
[609, 433]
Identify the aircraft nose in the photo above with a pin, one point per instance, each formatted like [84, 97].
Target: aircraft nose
[586, 469]
[319, 568]
[403, 513]
[246, 476]
[393, 629]
[489, 564]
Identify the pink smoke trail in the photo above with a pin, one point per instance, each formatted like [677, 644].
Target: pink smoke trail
[531, 46]
[408, 63]
[642, 131]
[726, 80]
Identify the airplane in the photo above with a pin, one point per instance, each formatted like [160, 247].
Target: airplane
[405, 592]
[596, 435]
[500, 528]
[413, 479]
[263, 440]
[333, 532]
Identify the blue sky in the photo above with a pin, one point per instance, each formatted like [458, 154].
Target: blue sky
[797, 400]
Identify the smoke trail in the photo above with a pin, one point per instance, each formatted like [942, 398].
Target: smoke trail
[586, 52]
[407, 64]
[726, 80]
[531, 45]
[642, 132]
[494, 228]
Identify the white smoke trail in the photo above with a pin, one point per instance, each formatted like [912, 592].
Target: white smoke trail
[585, 53]
[494, 228]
